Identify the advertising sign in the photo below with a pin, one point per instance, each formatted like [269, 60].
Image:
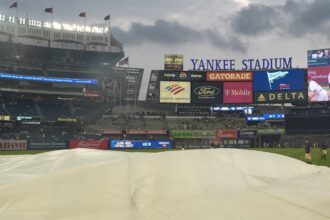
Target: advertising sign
[237, 92]
[47, 146]
[13, 144]
[279, 80]
[271, 131]
[320, 57]
[319, 83]
[72, 120]
[173, 62]
[47, 79]
[206, 92]
[247, 134]
[167, 75]
[4, 118]
[229, 76]
[280, 97]
[269, 117]
[146, 132]
[247, 110]
[236, 143]
[139, 144]
[192, 134]
[174, 92]
[91, 144]
[110, 131]
[226, 134]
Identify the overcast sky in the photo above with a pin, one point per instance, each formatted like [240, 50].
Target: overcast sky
[221, 29]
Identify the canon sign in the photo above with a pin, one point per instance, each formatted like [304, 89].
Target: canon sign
[206, 93]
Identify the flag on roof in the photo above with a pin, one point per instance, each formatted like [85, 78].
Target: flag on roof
[14, 5]
[49, 10]
[82, 14]
[123, 62]
[107, 17]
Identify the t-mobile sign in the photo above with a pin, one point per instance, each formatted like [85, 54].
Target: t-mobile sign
[237, 93]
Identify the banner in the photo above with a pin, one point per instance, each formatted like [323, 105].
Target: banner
[226, 134]
[70, 120]
[13, 144]
[279, 80]
[110, 131]
[206, 92]
[166, 75]
[248, 110]
[139, 144]
[91, 144]
[173, 62]
[280, 97]
[237, 93]
[271, 131]
[146, 132]
[229, 76]
[236, 143]
[191, 134]
[174, 92]
[319, 83]
[47, 146]
[269, 117]
[4, 118]
[48, 79]
[247, 134]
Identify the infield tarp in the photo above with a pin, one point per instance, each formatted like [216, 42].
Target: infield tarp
[213, 184]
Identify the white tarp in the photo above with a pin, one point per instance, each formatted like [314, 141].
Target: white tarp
[211, 184]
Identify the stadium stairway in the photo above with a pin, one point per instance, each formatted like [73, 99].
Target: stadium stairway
[95, 115]
[38, 109]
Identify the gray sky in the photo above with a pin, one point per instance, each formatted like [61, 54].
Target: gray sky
[221, 29]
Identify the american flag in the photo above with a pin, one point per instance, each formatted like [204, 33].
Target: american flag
[123, 62]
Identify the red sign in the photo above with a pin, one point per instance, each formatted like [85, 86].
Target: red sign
[319, 74]
[226, 134]
[229, 76]
[146, 132]
[13, 144]
[91, 144]
[237, 92]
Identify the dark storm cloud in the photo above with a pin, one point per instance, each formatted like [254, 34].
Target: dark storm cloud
[254, 19]
[161, 32]
[295, 17]
[172, 33]
[308, 18]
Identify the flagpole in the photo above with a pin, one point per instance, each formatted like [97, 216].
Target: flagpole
[109, 25]
[17, 10]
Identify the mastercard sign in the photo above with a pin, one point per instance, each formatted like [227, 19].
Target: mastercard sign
[174, 92]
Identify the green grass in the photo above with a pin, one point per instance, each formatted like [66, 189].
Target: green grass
[21, 152]
[297, 153]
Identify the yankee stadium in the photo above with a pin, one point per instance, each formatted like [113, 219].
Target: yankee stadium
[164, 110]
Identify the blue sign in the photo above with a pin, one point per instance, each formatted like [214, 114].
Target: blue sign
[246, 110]
[47, 79]
[135, 144]
[279, 80]
[266, 117]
